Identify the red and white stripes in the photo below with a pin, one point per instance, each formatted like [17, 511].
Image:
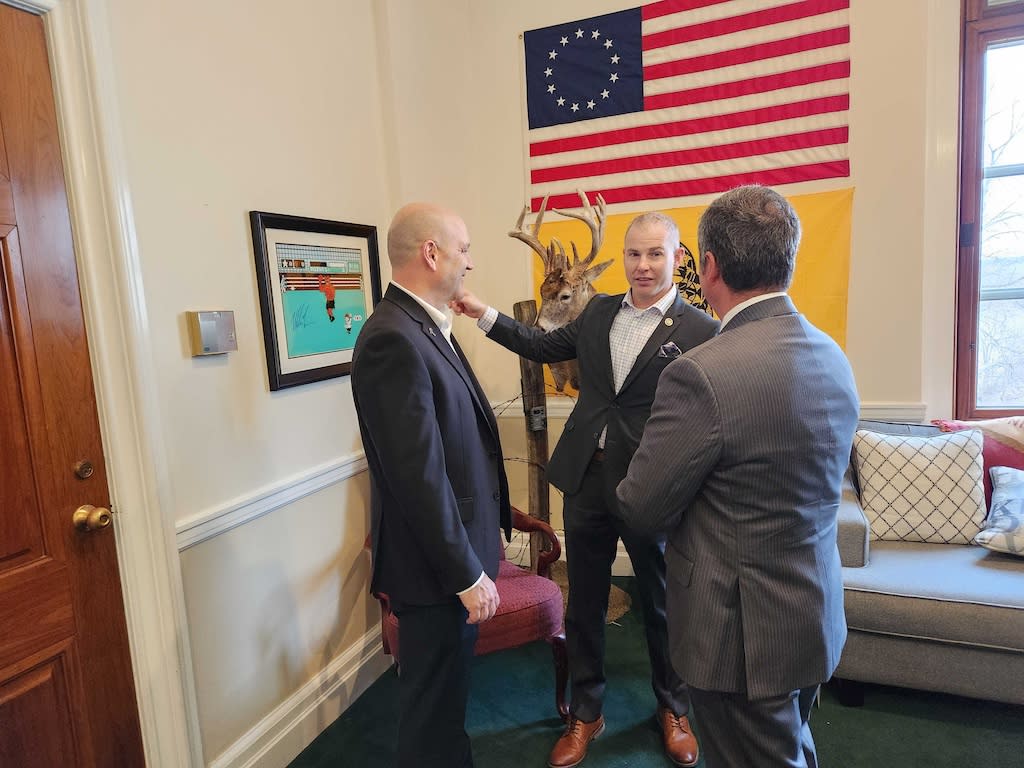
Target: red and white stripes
[735, 91]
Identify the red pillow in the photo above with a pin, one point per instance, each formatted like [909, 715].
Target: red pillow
[1003, 446]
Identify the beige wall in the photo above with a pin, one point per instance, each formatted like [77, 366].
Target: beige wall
[344, 109]
[272, 603]
[229, 107]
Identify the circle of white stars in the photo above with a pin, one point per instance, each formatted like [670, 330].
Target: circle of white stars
[613, 75]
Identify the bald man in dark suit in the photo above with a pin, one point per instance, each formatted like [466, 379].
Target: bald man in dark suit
[439, 492]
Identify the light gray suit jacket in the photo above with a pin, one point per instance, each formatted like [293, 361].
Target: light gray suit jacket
[742, 462]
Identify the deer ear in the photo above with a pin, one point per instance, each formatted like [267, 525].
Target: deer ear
[595, 271]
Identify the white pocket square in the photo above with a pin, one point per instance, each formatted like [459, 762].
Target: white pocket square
[670, 350]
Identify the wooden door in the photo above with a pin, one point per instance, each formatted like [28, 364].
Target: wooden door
[67, 697]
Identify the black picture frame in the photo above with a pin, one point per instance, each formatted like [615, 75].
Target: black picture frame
[297, 257]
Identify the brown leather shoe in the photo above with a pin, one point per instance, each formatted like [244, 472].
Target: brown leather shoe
[571, 747]
[680, 743]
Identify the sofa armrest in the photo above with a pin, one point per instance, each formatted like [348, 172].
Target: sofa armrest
[854, 531]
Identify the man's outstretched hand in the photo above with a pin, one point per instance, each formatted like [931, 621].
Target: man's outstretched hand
[468, 304]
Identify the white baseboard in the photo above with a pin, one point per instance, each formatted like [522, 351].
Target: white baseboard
[280, 736]
[876, 411]
[518, 552]
[560, 406]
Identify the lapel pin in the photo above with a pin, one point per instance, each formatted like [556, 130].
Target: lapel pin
[431, 331]
[668, 321]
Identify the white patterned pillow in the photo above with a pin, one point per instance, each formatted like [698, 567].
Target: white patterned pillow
[921, 488]
[1004, 528]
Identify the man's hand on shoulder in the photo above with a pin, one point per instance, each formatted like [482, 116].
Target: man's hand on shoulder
[481, 601]
[468, 304]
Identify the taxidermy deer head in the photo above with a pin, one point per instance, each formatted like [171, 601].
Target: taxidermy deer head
[567, 287]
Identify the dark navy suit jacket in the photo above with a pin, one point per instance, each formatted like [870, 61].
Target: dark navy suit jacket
[439, 491]
[624, 412]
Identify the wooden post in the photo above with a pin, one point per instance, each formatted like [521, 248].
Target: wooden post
[535, 411]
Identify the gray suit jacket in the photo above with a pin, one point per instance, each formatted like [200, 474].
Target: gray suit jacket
[742, 462]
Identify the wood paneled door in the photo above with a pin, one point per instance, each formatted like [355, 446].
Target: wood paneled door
[67, 695]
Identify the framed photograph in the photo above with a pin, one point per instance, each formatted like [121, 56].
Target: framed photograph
[318, 282]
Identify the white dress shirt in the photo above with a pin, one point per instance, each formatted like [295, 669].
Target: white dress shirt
[748, 303]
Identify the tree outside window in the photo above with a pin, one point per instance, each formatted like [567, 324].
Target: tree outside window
[990, 317]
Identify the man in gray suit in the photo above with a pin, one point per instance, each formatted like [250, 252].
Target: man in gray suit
[741, 462]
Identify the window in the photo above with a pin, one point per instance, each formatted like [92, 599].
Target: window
[990, 285]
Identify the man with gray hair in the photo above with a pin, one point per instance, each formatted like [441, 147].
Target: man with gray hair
[741, 463]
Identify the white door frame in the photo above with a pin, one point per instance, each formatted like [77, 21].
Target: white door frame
[114, 305]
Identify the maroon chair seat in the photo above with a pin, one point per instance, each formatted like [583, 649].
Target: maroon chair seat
[530, 609]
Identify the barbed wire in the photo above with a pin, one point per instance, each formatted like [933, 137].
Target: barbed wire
[549, 389]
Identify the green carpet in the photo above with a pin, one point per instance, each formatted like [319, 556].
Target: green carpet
[512, 720]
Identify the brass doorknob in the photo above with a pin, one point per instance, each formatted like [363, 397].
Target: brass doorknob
[90, 518]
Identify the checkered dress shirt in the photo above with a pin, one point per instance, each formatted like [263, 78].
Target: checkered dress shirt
[630, 330]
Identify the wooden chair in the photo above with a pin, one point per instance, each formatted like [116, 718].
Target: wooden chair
[531, 609]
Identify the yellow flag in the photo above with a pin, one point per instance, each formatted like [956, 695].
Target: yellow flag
[820, 285]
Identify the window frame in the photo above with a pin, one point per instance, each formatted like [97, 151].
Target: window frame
[982, 26]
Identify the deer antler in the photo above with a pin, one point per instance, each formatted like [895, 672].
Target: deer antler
[594, 219]
[531, 237]
[556, 255]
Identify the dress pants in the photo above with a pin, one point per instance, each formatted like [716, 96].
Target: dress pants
[436, 646]
[767, 733]
[591, 536]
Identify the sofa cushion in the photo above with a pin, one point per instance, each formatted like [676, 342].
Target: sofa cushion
[531, 608]
[1004, 526]
[888, 428]
[915, 488]
[941, 592]
[1004, 443]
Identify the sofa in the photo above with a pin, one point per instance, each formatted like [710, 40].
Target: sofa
[936, 617]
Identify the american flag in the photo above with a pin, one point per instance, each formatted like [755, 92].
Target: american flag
[688, 97]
